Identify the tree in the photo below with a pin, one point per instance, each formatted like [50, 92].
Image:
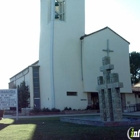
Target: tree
[23, 95]
[135, 67]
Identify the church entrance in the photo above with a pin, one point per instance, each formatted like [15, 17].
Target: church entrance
[93, 100]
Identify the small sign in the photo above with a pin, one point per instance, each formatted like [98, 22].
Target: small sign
[8, 98]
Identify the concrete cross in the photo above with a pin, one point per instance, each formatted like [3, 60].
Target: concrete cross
[108, 50]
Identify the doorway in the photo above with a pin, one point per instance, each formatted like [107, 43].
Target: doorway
[93, 100]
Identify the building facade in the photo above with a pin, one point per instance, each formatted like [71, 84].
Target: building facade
[69, 60]
[31, 77]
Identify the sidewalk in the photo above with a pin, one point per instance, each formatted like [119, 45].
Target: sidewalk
[65, 115]
[132, 113]
[44, 116]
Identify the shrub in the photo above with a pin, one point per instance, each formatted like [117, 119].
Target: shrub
[89, 107]
[46, 110]
[55, 110]
[35, 110]
[23, 95]
[69, 108]
[66, 108]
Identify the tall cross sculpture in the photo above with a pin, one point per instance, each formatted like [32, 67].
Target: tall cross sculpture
[108, 50]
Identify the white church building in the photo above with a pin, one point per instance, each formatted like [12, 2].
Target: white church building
[69, 61]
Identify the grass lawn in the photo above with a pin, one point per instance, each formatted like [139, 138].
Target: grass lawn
[53, 129]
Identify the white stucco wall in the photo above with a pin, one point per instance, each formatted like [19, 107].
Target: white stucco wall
[67, 68]
[137, 99]
[130, 99]
[67, 55]
[44, 54]
[92, 59]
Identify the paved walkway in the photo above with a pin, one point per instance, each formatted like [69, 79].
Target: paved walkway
[44, 116]
[64, 115]
[132, 113]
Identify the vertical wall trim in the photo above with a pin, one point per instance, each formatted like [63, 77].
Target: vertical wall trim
[82, 59]
[52, 53]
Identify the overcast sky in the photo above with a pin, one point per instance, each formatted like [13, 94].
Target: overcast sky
[20, 24]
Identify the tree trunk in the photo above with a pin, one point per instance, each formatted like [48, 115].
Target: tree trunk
[1, 114]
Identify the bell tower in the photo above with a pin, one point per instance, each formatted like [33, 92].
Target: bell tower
[62, 22]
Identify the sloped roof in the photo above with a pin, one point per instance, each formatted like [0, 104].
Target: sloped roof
[136, 87]
[86, 35]
[25, 68]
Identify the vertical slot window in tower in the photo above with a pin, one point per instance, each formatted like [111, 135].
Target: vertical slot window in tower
[36, 87]
[60, 10]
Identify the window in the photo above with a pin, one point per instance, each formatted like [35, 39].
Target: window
[83, 99]
[36, 69]
[60, 10]
[36, 93]
[35, 75]
[71, 93]
[36, 86]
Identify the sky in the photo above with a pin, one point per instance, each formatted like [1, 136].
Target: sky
[20, 29]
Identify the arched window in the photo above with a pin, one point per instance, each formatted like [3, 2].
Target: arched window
[60, 10]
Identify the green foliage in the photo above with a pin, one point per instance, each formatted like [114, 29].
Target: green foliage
[23, 95]
[66, 108]
[55, 110]
[36, 110]
[46, 110]
[135, 67]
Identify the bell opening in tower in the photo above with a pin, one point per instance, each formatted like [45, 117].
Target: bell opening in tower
[60, 10]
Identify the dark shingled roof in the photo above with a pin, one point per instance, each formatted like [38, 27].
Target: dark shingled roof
[86, 35]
